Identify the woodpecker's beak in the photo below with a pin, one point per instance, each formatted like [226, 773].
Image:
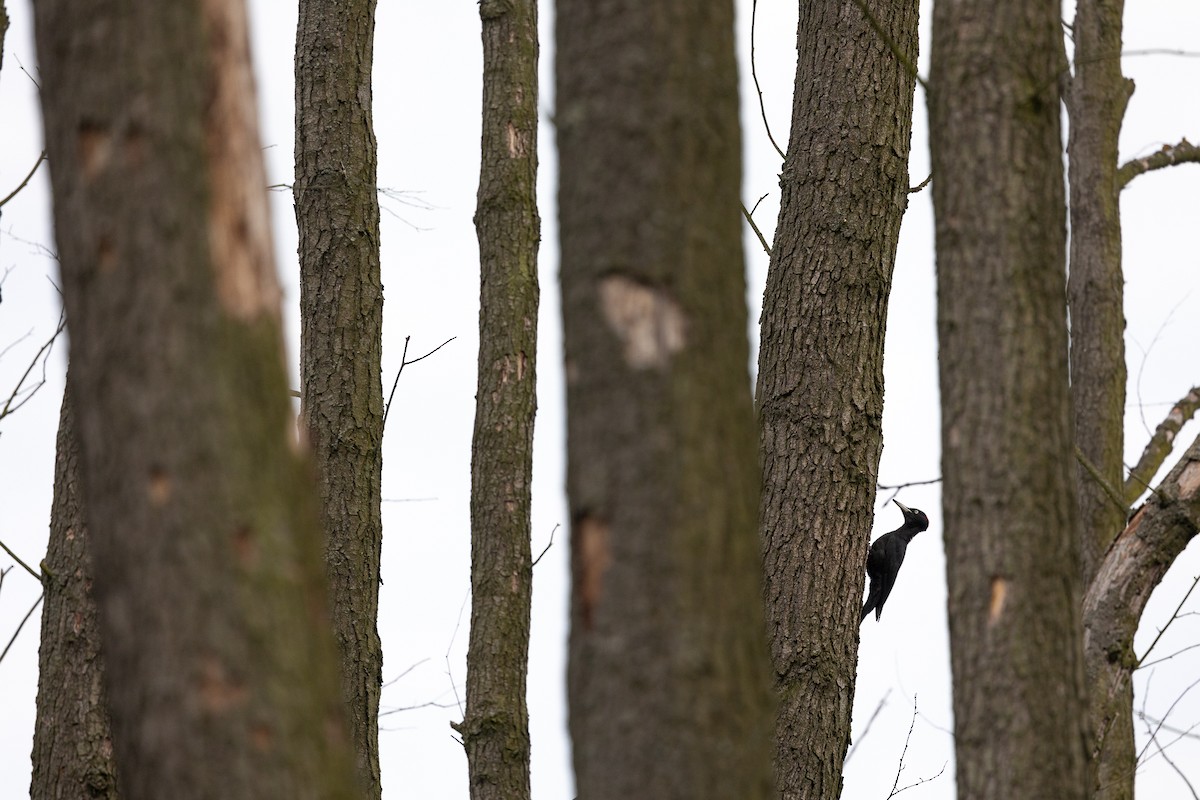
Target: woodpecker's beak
[903, 507]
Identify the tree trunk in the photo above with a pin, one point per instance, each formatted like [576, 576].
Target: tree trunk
[668, 679]
[1010, 516]
[1096, 100]
[221, 670]
[820, 380]
[72, 743]
[341, 315]
[495, 729]
[1113, 606]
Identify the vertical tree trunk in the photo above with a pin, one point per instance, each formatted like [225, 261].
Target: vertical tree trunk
[1012, 549]
[221, 670]
[820, 380]
[1096, 100]
[341, 315]
[72, 743]
[668, 677]
[495, 730]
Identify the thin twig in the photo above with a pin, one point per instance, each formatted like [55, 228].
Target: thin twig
[921, 185]
[870, 722]
[404, 362]
[1141, 660]
[1164, 719]
[17, 558]
[761, 107]
[25, 619]
[762, 239]
[904, 752]
[45, 350]
[1109, 491]
[547, 548]
[23, 183]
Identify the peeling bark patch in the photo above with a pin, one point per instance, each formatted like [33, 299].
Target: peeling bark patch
[592, 559]
[650, 325]
[996, 606]
[517, 146]
[159, 486]
[95, 149]
[1189, 479]
[239, 229]
[218, 692]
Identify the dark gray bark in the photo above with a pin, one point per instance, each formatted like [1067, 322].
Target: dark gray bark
[341, 316]
[1010, 515]
[72, 740]
[669, 675]
[820, 380]
[221, 669]
[1096, 97]
[495, 728]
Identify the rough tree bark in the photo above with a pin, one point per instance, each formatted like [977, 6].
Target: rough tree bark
[1096, 97]
[221, 669]
[72, 741]
[1112, 609]
[1010, 516]
[341, 330]
[820, 378]
[495, 728]
[668, 680]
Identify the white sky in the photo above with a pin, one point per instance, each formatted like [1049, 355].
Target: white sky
[427, 97]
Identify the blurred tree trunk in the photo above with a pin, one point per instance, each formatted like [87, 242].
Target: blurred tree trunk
[1096, 98]
[341, 316]
[72, 743]
[820, 380]
[495, 729]
[221, 670]
[668, 679]
[1010, 516]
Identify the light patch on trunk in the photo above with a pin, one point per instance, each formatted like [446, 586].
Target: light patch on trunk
[999, 594]
[1189, 479]
[593, 558]
[650, 325]
[239, 232]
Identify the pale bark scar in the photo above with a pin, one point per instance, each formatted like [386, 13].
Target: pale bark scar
[239, 232]
[593, 558]
[650, 325]
[95, 149]
[159, 486]
[518, 144]
[999, 594]
[1189, 479]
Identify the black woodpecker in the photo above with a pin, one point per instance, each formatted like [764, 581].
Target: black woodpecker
[887, 554]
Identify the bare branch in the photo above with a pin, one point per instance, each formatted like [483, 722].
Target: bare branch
[547, 548]
[1142, 660]
[870, 722]
[1109, 490]
[921, 185]
[25, 182]
[1170, 155]
[17, 558]
[762, 240]
[404, 362]
[24, 619]
[761, 107]
[1160, 444]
